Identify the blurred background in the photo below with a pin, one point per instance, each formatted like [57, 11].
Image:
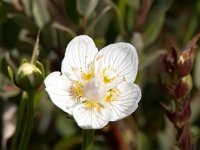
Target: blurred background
[152, 26]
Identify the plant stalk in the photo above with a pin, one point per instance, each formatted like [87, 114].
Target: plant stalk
[88, 136]
[20, 118]
[28, 123]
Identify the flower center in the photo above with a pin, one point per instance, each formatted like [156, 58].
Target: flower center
[95, 94]
[94, 90]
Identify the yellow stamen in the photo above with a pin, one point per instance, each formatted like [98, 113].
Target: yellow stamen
[92, 105]
[106, 79]
[89, 75]
[112, 95]
[77, 89]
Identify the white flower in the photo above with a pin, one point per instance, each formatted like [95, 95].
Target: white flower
[96, 87]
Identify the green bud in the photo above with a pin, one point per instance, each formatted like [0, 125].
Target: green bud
[28, 77]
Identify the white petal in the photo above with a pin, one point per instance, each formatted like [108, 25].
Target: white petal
[91, 118]
[127, 102]
[122, 59]
[57, 86]
[79, 55]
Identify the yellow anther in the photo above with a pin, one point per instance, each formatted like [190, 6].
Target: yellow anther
[93, 105]
[89, 75]
[106, 79]
[112, 95]
[105, 69]
[109, 98]
[77, 89]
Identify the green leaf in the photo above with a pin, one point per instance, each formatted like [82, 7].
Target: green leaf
[134, 4]
[41, 67]
[11, 73]
[40, 13]
[191, 28]
[155, 21]
[5, 61]
[64, 28]
[130, 21]
[98, 19]
[100, 24]
[120, 18]
[128, 9]
[86, 7]
[153, 30]
[122, 7]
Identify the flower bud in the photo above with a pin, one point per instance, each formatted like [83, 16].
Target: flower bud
[182, 88]
[185, 62]
[28, 77]
[179, 91]
[169, 61]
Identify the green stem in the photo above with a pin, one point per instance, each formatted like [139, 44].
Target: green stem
[119, 17]
[64, 28]
[28, 123]
[97, 19]
[88, 139]
[19, 119]
[36, 51]
[10, 62]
